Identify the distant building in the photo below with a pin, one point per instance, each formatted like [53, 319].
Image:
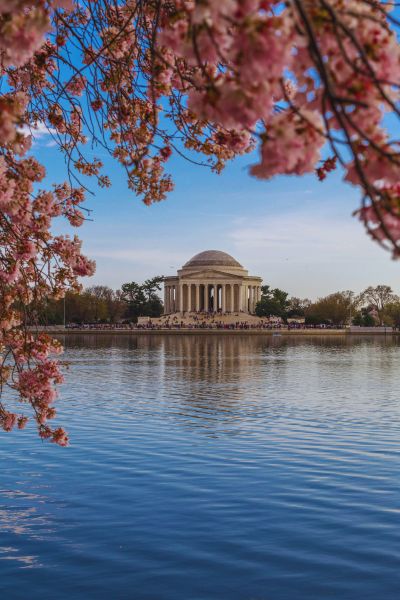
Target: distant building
[212, 281]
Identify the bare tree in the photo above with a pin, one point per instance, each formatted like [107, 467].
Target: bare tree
[379, 297]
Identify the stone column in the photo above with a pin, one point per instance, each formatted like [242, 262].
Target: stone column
[185, 297]
[215, 307]
[197, 297]
[194, 292]
[179, 297]
[223, 298]
[170, 307]
[243, 299]
[251, 299]
[206, 297]
[165, 299]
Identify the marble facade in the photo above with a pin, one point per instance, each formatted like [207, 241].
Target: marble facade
[212, 281]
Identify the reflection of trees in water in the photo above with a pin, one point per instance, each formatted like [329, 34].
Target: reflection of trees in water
[206, 358]
[213, 358]
[228, 384]
[235, 344]
[215, 382]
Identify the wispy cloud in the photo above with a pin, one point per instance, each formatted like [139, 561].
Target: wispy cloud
[150, 257]
[312, 254]
[302, 237]
[40, 133]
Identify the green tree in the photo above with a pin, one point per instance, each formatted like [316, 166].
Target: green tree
[379, 297]
[297, 307]
[135, 299]
[151, 286]
[109, 303]
[99, 298]
[118, 311]
[391, 315]
[96, 304]
[335, 309]
[363, 318]
[84, 308]
[274, 302]
[142, 300]
[153, 307]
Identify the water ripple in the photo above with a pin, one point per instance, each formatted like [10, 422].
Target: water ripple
[240, 468]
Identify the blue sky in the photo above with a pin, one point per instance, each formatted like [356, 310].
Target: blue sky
[297, 233]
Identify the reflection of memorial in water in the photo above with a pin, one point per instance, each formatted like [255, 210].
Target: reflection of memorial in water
[224, 383]
[211, 377]
[212, 359]
[218, 383]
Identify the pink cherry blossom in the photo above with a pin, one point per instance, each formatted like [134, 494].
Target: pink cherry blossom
[143, 80]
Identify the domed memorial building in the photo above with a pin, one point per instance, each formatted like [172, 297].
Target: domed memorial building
[212, 281]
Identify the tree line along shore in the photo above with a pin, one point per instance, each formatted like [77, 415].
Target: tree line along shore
[101, 305]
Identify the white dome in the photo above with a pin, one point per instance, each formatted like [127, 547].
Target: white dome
[210, 258]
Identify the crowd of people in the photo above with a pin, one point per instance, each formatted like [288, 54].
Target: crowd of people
[203, 320]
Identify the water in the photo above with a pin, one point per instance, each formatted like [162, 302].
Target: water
[210, 468]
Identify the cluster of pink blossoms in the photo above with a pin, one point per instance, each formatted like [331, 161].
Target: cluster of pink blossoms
[299, 77]
[34, 265]
[308, 81]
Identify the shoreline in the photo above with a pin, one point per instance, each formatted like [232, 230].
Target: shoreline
[256, 332]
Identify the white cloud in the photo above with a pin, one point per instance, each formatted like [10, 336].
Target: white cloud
[115, 266]
[307, 250]
[312, 236]
[313, 253]
[151, 257]
[39, 133]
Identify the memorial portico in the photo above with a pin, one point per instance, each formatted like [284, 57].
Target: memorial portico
[212, 281]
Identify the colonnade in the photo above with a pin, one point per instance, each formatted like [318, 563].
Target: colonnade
[211, 297]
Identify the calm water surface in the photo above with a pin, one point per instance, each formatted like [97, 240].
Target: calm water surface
[237, 468]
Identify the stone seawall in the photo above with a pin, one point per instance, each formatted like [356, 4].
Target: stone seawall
[265, 332]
